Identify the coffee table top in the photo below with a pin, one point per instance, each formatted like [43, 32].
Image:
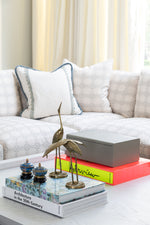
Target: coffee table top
[128, 204]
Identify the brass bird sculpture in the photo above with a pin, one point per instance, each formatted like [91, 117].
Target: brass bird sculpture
[73, 148]
[57, 137]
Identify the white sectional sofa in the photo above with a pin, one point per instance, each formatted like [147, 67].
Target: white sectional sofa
[21, 136]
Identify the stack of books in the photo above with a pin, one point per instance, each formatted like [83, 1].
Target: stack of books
[110, 175]
[53, 197]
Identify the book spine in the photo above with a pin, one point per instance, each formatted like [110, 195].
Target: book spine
[33, 201]
[54, 208]
[85, 203]
[88, 171]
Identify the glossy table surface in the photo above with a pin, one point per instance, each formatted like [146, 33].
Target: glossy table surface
[128, 204]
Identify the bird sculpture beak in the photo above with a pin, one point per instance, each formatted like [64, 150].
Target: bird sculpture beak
[59, 107]
[52, 147]
[79, 143]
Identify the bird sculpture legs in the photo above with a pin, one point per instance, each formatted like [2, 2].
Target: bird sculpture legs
[58, 174]
[71, 169]
[60, 160]
[76, 168]
[56, 161]
[74, 184]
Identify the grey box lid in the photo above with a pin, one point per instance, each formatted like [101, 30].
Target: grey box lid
[102, 136]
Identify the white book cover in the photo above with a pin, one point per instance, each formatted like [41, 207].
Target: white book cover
[61, 210]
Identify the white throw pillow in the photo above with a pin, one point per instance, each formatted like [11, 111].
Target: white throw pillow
[142, 106]
[90, 85]
[45, 90]
[122, 92]
[10, 104]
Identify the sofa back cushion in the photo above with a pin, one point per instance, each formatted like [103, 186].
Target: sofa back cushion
[10, 104]
[122, 92]
[90, 85]
[142, 106]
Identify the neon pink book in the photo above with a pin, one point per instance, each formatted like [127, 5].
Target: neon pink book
[113, 176]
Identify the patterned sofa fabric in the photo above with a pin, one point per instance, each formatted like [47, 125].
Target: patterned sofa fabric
[122, 92]
[20, 136]
[88, 120]
[91, 84]
[10, 104]
[1, 153]
[136, 127]
[142, 107]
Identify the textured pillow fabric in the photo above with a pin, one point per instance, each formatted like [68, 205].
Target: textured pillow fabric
[45, 90]
[122, 92]
[10, 104]
[142, 106]
[90, 85]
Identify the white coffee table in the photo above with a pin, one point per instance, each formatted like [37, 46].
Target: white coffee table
[128, 204]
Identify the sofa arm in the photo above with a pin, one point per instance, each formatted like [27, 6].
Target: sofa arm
[1, 152]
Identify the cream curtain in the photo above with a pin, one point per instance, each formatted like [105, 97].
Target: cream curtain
[126, 34]
[87, 32]
[72, 29]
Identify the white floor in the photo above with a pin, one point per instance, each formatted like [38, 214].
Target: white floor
[128, 204]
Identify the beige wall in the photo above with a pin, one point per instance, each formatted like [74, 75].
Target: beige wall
[15, 33]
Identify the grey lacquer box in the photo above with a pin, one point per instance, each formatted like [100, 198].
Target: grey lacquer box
[107, 148]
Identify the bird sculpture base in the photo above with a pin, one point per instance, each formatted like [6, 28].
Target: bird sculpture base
[57, 175]
[75, 185]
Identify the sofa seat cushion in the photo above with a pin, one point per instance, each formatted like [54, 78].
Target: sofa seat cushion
[135, 127]
[20, 136]
[88, 120]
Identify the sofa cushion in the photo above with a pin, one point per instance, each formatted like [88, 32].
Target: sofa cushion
[1, 152]
[10, 104]
[122, 92]
[21, 136]
[87, 120]
[134, 127]
[45, 90]
[142, 106]
[91, 86]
